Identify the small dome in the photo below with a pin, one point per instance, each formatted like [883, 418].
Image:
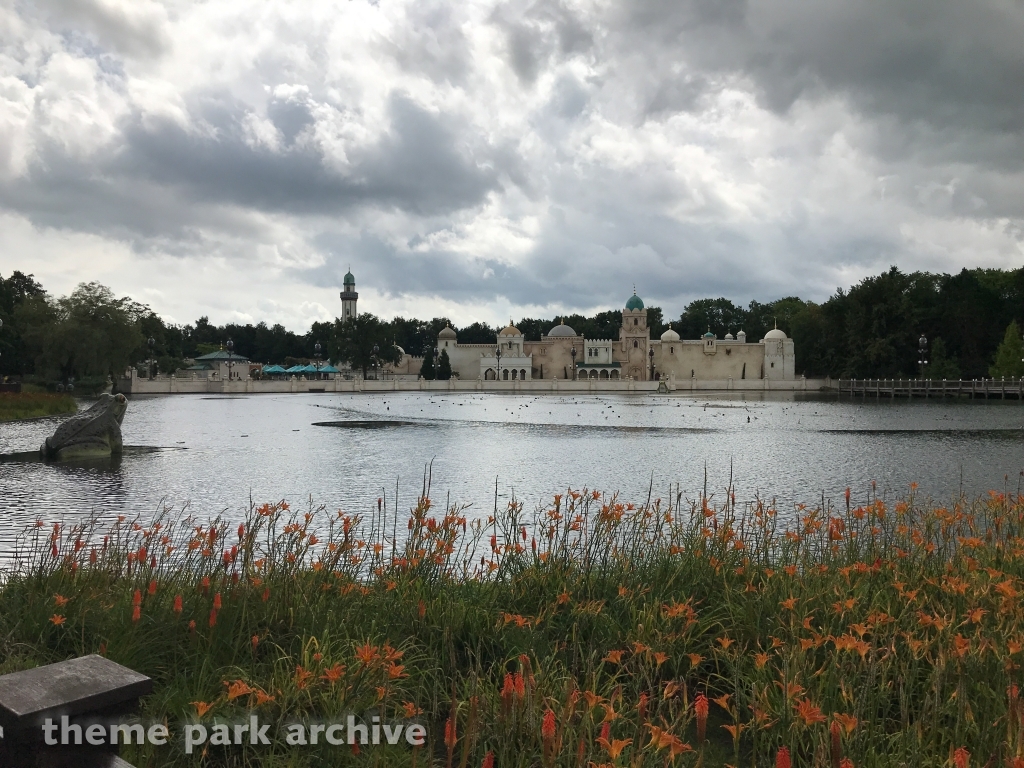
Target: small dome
[511, 330]
[401, 352]
[349, 278]
[728, 337]
[710, 335]
[562, 330]
[775, 333]
[447, 333]
[670, 335]
[634, 302]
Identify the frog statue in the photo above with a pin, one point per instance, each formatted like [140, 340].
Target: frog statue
[93, 433]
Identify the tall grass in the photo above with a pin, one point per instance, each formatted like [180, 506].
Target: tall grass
[592, 632]
[30, 405]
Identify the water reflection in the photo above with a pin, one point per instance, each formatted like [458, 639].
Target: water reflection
[267, 448]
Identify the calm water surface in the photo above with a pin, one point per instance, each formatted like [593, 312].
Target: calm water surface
[794, 448]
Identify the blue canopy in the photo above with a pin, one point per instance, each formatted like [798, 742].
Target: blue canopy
[273, 369]
[295, 369]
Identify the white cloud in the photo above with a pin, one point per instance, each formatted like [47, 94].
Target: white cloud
[483, 159]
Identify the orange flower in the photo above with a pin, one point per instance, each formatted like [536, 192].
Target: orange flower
[760, 659]
[152, 587]
[450, 736]
[301, 677]
[367, 654]
[255, 641]
[177, 604]
[849, 722]
[961, 758]
[136, 613]
[488, 760]
[695, 659]
[60, 600]
[547, 728]
[725, 642]
[217, 604]
[782, 759]
[201, 707]
[700, 707]
[213, 617]
[137, 598]
[614, 747]
[809, 713]
[237, 689]
[410, 709]
[57, 620]
[614, 657]
[789, 604]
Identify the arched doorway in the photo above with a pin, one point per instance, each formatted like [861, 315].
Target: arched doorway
[522, 373]
[615, 374]
[489, 374]
[604, 374]
[504, 374]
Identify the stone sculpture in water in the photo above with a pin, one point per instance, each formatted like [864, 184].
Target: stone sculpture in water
[91, 434]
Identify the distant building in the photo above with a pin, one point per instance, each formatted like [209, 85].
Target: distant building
[220, 364]
[349, 297]
[633, 355]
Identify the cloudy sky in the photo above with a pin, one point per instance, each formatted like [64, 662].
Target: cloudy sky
[483, 159]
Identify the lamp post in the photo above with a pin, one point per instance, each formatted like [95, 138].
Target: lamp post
[572, 354]
[316, 351]
[922, 353]
[230, 345]
[497, 354]
[376, 349]
[151, 342]
[650, 354]
[437, 362]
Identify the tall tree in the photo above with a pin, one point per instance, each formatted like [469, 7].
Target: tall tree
[427, 367]
[354, 339]
[1010, 354]
[444, 366]
[88, 334]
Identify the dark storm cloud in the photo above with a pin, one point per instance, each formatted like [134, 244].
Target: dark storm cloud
[421, 165]
[946, 64]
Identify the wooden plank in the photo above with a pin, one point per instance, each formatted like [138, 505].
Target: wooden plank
[74, 687]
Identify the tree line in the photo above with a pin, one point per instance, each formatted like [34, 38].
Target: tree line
[972, 321]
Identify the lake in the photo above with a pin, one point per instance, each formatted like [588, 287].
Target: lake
[224, 450]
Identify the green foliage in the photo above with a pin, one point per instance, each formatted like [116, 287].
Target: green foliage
[32, 405]
[14, 291]
[444, 366]
[901, 622]
[1010, 354]
[86, 334]
[352, 341]
[427, 367]
[940, 365]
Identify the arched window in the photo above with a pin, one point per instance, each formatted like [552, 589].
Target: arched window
[515, 374]
[504, 374]
[636, 344]
[671, 350]
[522, 373]
[636, 321]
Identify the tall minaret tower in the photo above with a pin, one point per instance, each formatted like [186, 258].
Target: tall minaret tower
[349, 297]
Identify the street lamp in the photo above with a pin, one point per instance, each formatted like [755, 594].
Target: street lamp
[230, 345]
[316, 351]
[376, 349]
[650, 354]
[922, 352]
[572, 353]
[151, 342]
[497, 354]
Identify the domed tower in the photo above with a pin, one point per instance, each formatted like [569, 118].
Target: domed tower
[349, 297]
[634, 339]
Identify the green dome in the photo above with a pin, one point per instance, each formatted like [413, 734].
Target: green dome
[349, 279]
[709, 335]
[635, 302]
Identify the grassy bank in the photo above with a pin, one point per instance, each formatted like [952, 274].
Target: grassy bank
[590, 633]
[32, 405]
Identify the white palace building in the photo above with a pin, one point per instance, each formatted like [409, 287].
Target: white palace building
[634, 355]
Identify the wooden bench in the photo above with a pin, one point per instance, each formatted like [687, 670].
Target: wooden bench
[88, 691]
